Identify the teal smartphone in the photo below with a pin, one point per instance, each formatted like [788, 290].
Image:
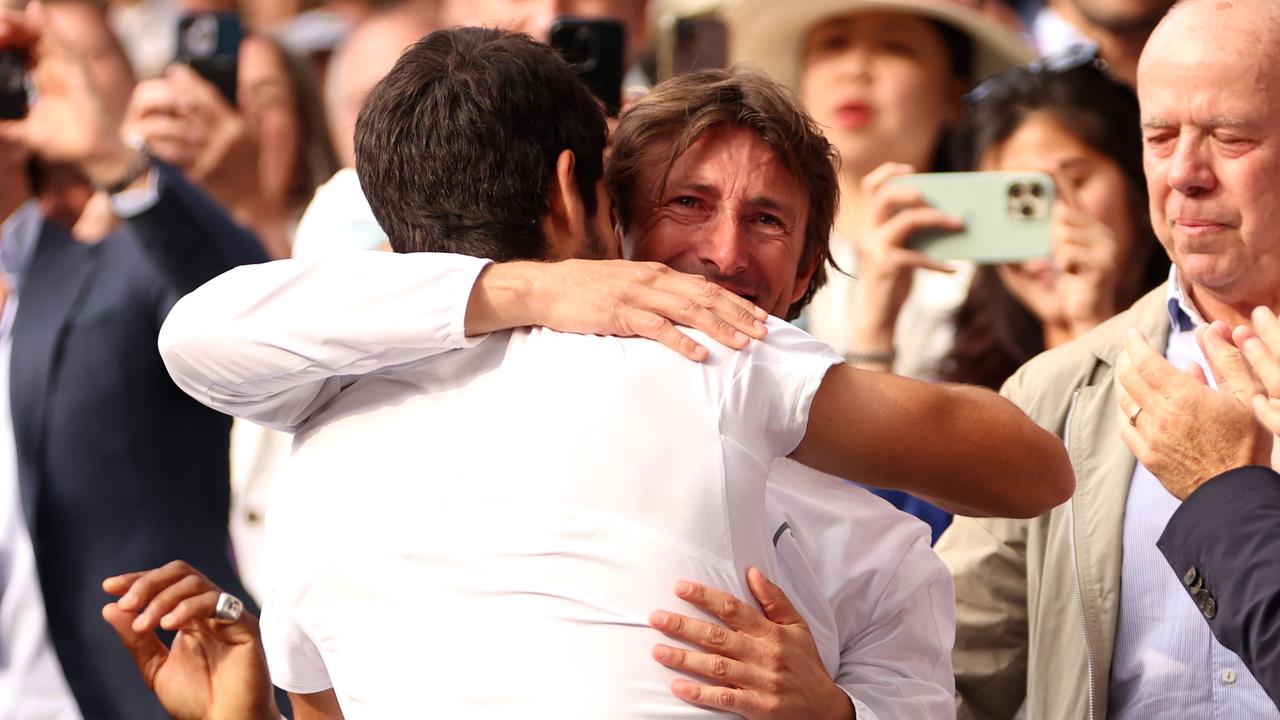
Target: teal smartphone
[1006, 215]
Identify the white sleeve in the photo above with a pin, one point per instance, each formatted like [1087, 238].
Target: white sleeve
[272, 343]
[899, 664]
[293, 660]
[765, 409]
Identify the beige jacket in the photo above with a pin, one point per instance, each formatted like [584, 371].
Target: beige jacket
[1037, 600]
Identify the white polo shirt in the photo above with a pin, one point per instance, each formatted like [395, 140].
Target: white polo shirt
[484, 533]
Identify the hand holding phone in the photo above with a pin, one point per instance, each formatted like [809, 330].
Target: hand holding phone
[210, 44]
[1006, 215]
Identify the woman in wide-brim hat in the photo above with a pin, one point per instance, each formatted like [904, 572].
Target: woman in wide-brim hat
[885, 79]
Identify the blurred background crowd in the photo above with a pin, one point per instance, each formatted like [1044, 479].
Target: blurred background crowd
[254, 134]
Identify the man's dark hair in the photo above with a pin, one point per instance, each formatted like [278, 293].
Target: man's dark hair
[456, 148]
[658, 129]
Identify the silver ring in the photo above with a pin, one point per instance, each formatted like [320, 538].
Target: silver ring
[228, 609]
[1133, 417]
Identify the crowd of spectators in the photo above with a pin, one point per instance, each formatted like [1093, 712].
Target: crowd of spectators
[1145, 342]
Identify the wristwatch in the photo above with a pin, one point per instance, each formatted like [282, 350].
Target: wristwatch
[141, 163]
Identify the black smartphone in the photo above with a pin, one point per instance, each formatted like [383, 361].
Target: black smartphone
[210, 44]
[13, 84]
[595, 48]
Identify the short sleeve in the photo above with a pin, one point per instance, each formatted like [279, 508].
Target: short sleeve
[294, 661]
[765, 408]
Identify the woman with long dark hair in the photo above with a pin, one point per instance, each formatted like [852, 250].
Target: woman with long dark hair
[1070, 118]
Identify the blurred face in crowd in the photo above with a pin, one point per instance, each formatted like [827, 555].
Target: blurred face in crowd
[1209, 89]
[1096, 181]
[85, 27]
[1122, 15]
[534, 17]
[731, 212]
[881, 86]
[266, 97]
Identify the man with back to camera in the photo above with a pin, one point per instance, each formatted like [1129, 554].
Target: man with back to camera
[195, 360]
[1077, 612]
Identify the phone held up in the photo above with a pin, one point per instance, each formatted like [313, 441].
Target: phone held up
[210, 44]
[596, 49]
[1006, 215]
[13, 84]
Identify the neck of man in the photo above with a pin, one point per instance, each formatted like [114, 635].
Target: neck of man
[1234, 308]
[1119, 45]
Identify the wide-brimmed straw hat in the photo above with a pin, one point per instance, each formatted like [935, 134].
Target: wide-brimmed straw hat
[771, 33]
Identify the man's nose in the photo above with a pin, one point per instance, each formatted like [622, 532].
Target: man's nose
[724, 246]
[1191, 168]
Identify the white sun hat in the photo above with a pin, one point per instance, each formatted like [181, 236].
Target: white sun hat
[770, 34]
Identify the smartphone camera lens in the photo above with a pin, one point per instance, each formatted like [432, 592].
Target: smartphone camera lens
[1037, 190]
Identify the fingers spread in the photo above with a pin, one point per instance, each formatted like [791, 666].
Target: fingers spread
[720, 698]
[732, 611]
[709, 636]
[717, 668]
[655, 327]
[777, 606]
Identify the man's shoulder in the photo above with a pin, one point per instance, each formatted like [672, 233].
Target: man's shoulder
[1052, 376]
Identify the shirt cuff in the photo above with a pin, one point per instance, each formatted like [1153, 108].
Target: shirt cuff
[466, 274]
[860, 709]
[132, 203]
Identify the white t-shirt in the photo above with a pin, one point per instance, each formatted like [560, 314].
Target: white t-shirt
[484, 533]
[877, 599]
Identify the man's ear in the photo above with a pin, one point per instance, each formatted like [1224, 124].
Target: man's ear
[565, 225]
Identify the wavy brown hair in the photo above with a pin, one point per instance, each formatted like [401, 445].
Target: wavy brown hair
[658, 129]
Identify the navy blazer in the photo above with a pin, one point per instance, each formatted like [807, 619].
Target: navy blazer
[1224, 544]
[118, 469]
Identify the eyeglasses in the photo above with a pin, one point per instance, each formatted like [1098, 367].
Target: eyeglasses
[1073, 57]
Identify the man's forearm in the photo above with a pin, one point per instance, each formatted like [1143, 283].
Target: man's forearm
[966, 447]
[271, 342]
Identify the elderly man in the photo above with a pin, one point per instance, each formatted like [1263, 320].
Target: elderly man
[1077, 611]
[756, 191]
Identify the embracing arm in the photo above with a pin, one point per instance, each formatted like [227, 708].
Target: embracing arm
[273, 342]
[937, 441]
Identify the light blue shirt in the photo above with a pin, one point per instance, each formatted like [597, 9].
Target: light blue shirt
[1167, 663]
